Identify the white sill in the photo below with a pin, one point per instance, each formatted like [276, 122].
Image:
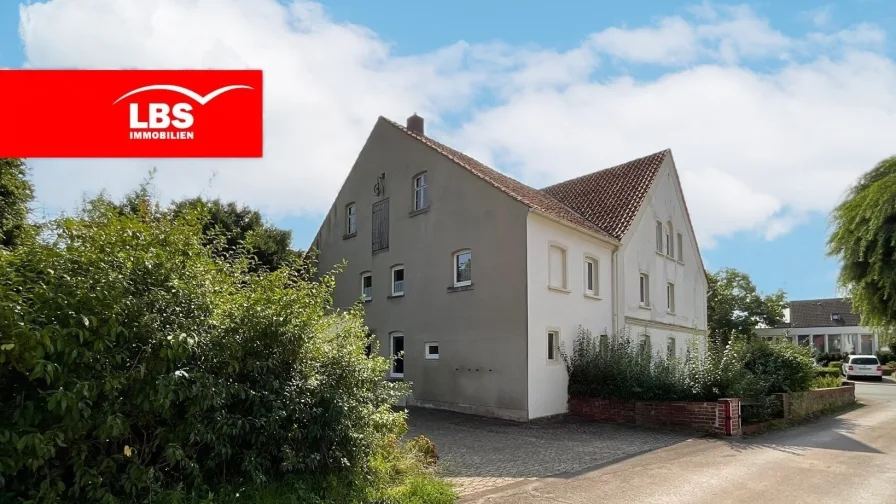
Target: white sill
[592, 296]
[432, 357]
[644, 306]
[670, 312]
[396, 375]
[463, 284]
[554, 362]
[367, 300]
[397, 295]
[559, 289]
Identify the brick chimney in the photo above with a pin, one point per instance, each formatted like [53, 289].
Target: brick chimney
[415, 124]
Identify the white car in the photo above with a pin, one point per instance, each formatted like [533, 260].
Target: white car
[865, 366]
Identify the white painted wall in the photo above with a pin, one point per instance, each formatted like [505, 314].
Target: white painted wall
[564, 311]
[639, 255]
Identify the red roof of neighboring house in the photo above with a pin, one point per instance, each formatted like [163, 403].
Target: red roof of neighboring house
[604, 202]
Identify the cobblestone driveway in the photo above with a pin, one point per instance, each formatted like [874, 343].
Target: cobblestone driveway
[479, 454]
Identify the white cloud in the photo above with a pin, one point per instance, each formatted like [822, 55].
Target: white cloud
[757, 151]
[820, 17]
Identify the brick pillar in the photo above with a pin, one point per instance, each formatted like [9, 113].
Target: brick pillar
[728, 415]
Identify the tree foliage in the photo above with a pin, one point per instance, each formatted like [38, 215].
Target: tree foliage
[863, 238]
[133, 359]
[16, 193]
[735, 307]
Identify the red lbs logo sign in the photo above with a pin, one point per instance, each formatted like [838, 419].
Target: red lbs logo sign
[132, 113]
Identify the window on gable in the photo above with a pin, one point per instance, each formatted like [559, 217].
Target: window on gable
[659, 236]
[591, 276]
[421, 192]
[398, 280]
[553, 345]
[463, 268]
[367, 286]
[351, 219]
[670, 347]
[557, 267]
[670, 250]
[644, 289]
[670, 297]
[680, 249]
[397, 353]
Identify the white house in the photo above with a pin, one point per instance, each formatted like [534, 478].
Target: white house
[473, 281]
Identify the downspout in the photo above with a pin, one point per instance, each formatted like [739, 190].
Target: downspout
[614, 304]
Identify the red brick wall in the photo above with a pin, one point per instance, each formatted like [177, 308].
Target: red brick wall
[699, 416]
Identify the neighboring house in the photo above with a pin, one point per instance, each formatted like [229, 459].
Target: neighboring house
[481, 280]
[828, 325]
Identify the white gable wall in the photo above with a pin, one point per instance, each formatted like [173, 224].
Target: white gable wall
[639, 253]
[557, 310]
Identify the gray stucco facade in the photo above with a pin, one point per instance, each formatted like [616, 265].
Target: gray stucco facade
[481, 330]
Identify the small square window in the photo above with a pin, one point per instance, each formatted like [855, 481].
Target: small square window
[644, 284]
[553, 345]
[398, 280]
[432, 350]
[421, 192]
[367, 286]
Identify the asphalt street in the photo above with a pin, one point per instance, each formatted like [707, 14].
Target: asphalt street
[843, 458]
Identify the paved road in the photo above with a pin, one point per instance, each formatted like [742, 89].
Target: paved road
[848, 458]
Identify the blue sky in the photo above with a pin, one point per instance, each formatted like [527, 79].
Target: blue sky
[759, 196]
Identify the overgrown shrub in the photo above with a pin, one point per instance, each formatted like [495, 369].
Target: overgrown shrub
[425, 449]
[823, 371]
[825, 381]
[885, 357]
[835, 364]
[131, 361]
[621, 369]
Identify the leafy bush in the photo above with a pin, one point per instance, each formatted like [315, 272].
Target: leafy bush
[822, 371]
[826, 381]
[425, 448]
[885, 357]
[618, 368]
[835, 364]
[132, 361]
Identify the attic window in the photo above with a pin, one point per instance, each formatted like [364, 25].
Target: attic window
[835, 317]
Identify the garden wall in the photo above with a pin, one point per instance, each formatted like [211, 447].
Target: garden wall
[718, 417]
[802, 404]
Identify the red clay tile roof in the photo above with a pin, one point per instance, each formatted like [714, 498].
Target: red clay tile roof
[610, 198]
[529, 196]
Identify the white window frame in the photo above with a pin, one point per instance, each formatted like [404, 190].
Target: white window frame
[564, 285]
[423, 190]
[367, 274]
[680, 250]
[392, 355]
[395, 268]
[644, 290]
[659, 236]
[552, 340]
[670, 297]
[594, 277]
[670, 236]
[455, 269]
[351, 218]
[671, 345]
[427, 346]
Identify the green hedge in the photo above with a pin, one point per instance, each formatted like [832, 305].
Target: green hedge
[834, 364]
[826, 371]
[619, 368]
[131, 361]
